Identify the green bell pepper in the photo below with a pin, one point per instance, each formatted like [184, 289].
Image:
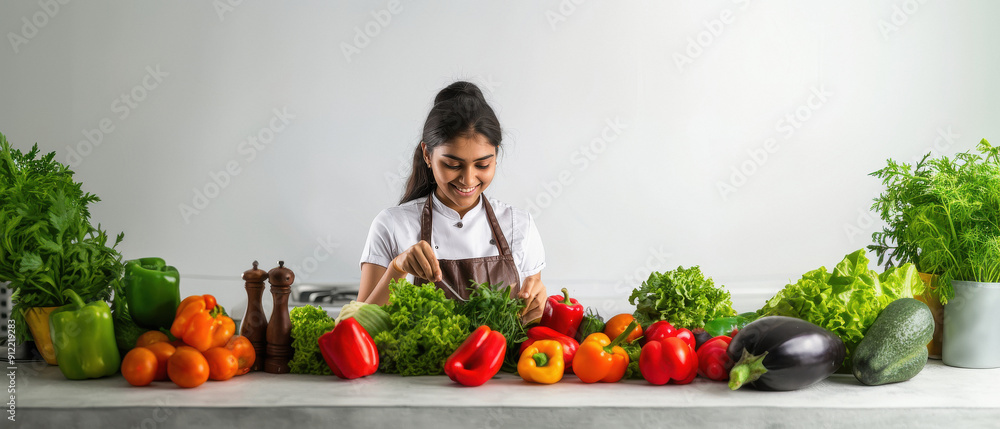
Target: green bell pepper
[83, 336]
[725, 325]
[152, 290]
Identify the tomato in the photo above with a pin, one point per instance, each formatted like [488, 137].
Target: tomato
[241, 347]
[222, 365]
[187, 367]
[163, 351]
[616, 325]
[150, 337]
[139, 366]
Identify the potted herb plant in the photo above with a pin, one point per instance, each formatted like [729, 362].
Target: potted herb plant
[944, 216]
[49, 245]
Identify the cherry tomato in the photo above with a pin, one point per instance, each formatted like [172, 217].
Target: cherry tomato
[163, 351]
[245, 354]
[187, 367]
[139, 366]
[150, 337]
[222, 365]
[616, 325]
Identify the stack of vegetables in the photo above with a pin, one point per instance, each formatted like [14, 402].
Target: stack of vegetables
[804, 334]
[846, 300]
[201, 344]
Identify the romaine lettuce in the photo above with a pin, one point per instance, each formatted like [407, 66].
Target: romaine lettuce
[847, 300]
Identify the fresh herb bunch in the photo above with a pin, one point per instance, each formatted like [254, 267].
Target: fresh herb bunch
[49, 244]
[495, 307]
[944, 216]
[425, 330]
[684, 297]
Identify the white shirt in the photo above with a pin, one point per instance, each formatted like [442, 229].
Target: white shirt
[397, 228]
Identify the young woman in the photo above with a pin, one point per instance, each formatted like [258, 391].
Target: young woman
[444, 229]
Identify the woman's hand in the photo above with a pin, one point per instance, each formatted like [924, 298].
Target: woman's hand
[418, 260]
[533, 293]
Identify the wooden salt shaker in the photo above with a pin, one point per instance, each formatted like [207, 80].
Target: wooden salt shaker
[254, 325]
[279, 328]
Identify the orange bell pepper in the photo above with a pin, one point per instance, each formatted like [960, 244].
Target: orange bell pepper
[601, 359]
[200, 323]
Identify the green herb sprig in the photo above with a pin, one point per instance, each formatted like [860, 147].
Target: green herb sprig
[493, 306]
[944, 216]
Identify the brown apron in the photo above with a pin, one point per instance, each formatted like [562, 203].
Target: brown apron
[459, 273]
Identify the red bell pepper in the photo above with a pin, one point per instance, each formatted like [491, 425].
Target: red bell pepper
[569, 345]
[478, 359]
[657, 331]
[563, 314]
[713, 360]
[663, 329]
[349, 350]
[668, 359]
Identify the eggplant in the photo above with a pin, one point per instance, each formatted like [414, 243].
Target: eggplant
[783, 353]
[700, 337]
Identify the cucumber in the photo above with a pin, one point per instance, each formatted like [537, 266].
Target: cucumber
[895, 347]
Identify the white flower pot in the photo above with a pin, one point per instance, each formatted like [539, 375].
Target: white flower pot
[972, 326]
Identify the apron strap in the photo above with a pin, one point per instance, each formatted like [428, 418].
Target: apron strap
[425, 219]
[498, 237]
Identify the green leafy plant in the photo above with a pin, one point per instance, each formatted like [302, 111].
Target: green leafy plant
[308, 324]
[683, 297]
[48, 243]
[425, 330]
[943, 215]
[847, 300]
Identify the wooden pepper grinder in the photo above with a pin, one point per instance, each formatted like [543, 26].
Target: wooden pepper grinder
[254, 325]
[279, 328]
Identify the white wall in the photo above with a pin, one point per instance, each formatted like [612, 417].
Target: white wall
[895, 76]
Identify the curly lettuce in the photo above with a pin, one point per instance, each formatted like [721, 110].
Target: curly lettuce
[308, 324]
[425, 330]
[847, 300]
[683, 297]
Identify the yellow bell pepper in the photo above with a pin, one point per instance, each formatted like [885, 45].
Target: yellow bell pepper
[542, 362]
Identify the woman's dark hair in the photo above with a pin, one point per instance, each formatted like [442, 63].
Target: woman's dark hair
[459, 110]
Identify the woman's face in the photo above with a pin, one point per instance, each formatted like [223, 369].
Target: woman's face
[463, 169]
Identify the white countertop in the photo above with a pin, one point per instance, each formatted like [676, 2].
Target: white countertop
[938, 396]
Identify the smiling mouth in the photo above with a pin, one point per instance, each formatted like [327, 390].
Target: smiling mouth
[465, 191]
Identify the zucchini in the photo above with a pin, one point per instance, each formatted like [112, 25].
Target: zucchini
[895, 347]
